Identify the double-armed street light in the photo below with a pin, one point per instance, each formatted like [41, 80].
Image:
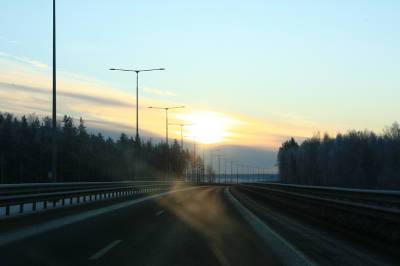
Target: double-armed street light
[225, 172]
[231, 177]
[54, 109]
[181, 125]
[212, 157]
[219, 156]
[194, 162]
[166, 128]
[166, 117]
[137, 71]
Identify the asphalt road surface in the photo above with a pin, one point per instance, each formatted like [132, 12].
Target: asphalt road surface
[201, 226]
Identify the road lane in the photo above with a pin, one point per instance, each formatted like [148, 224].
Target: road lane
[319, 242]
[104, 250]
[197, 227]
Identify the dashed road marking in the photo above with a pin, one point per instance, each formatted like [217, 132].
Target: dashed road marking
[41, 228]
[104, 250]
[159, 212]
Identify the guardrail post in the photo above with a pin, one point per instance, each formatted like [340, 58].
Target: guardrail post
[21, 208]
[7, 210]
[34, 206]
[45, 204]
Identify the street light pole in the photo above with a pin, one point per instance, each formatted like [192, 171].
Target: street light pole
[137, 71]
[166, 128]
[181, 137]
[195, 168]
[212, 160]
[181, 126]
[231, 177]
[54, 112]
[166, 125]
[166, 117]
[137, 107]
[237, 174]
[219, 169]
[225, 174]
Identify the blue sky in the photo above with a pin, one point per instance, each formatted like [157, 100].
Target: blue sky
[325, 65]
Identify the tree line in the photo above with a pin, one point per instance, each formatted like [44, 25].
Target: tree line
[361, 159]
[26, 149]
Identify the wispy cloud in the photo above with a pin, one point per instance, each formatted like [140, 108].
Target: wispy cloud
[25, 60]
[25, 88]
[2, 38]
[159, 92]
[77, 96]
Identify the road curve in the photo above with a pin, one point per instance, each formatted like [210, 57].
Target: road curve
[194, 227]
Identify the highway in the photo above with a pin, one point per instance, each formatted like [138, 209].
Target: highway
[194, 227]
[206, 225]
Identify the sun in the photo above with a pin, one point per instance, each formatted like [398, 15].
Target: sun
[207, 127]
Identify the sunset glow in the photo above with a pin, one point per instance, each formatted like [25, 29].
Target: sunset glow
[208, 127]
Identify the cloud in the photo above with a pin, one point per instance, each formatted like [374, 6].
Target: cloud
[26, 88]
[78, 96]
[159, 92]
[9, 41]
[25, 60]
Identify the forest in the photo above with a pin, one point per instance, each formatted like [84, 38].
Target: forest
[26, 150]
[357, 159]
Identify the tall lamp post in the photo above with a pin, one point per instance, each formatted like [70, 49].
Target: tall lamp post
[219, 156]
[166, 128]
[54, 111]
[212, 159]
[166, 117]
[194, 167]
[137, 71]
[181, 125]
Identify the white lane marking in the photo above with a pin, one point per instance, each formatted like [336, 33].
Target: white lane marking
[160, 212]
[318, 235]
[104, 250]
[287, 253]
[9, 237]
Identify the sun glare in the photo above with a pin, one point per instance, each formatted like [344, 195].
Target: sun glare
[208, 127]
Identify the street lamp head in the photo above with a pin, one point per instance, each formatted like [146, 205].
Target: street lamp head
[175, 107]
[112, 69]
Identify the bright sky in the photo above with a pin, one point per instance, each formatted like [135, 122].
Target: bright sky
[251, 72]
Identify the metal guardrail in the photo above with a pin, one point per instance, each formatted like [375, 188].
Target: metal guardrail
[369, 211]
[61, 194]
[378, 198]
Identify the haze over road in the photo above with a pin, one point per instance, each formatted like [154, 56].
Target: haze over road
[194, 227]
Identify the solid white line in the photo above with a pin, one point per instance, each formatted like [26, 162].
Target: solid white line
[286, 252]
[160, 212]
[9, 237]
[104, 250]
